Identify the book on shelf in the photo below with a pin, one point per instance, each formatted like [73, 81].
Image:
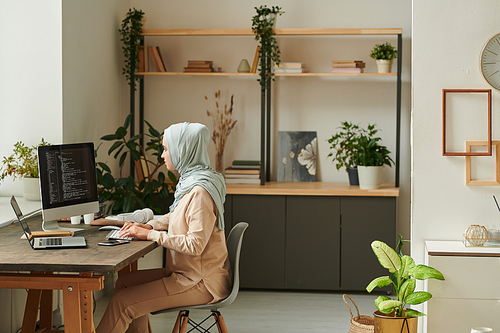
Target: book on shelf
[154, 52]
[197, 70]
[243, 181]
[246, 164]
[200, 63]
[146, 58]
[255, 62]
[241, 171]
[291, 65]
[290, 70]
[140, 56]
[348, 64]
[347, 70]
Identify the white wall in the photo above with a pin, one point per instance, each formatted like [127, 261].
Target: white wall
[299, 104]
[30, 84]
[448, 36]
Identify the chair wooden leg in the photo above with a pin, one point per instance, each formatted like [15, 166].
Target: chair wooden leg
[221, 324]
[185, 320]
[177, 322]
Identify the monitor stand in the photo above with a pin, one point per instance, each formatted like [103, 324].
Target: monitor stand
[54, 226]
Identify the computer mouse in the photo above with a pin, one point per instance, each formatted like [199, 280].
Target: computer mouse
[110, 227]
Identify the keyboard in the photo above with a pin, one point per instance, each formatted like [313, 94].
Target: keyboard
[52, 241]
[113, 234]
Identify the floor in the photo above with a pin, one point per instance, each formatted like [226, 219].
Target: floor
[272, 312]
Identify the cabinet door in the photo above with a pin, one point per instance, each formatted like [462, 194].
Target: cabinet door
[263, 250]
[228, 214]
[312, 242]
[364, 219]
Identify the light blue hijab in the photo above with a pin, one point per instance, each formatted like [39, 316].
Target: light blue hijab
[187, 148]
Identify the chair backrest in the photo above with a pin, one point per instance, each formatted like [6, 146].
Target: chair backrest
[234, 241]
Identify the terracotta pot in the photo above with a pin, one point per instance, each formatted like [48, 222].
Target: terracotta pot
[386, 324]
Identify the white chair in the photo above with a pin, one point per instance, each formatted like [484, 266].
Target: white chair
[234, 241]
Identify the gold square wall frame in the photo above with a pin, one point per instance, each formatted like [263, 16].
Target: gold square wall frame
[467, 91]
[468, 168]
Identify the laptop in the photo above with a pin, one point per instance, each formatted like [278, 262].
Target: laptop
[45, 242]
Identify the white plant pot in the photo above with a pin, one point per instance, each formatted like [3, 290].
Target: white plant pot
[370, 177]
[31, 189]
[384, 66]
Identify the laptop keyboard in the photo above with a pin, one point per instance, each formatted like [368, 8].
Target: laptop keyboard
[113, 234]
[52, 241]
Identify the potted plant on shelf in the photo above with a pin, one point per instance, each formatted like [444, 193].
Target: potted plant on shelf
[384, 54]
[23, 164]
[151, 189]
[130, 31]
[392, 315]
[371, 157]
[262, 25]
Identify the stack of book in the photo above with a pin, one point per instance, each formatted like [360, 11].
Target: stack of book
[348, 66]
[290, 67]
[154, 52]
[199, 66]
[243, 172]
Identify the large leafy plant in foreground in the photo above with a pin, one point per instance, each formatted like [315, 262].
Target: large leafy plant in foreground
[403, 277]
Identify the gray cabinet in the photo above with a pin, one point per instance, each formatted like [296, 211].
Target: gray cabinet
[312, 242]
[364, 219]
[263, 251]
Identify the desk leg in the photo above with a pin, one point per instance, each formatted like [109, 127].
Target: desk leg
[31, 310]
[46, 315]
[72, 314]
[87, 308]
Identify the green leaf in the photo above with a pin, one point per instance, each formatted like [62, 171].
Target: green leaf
[418, 297]
[114, 146]
[413, 313]
[120, 182]
[407, 264]
[407, 288]
[135, 137]
[422, 272]
[127, 121]
[387, 257]
[161, 177]
[120, 133]
[109, 137]
[172, 177]
[382, 281]
[104, 166]
[122, 159]
[108, 181]
[152, 130]
[388, 306]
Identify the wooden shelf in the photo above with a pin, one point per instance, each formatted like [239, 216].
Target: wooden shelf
[279, 32]
[311, 189]
[256, 74]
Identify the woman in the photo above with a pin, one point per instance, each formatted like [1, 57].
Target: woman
[197, 266]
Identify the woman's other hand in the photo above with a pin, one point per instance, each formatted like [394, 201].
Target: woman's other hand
[136, 230]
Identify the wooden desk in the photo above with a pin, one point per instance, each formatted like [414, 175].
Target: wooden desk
[78, 282]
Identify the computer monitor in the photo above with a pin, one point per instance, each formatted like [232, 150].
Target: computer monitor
[68, 181]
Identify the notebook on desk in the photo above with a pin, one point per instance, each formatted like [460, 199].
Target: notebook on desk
[44, 242]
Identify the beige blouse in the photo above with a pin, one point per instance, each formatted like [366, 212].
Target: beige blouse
[196, 248]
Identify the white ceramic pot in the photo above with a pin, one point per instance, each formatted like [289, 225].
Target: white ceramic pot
[384, 66]
[31, 188]
[370, 177]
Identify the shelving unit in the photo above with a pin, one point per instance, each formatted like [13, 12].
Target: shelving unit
[266, 94]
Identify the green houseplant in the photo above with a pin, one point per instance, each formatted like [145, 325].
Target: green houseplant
[23, 164]
[371, 157]
[262, 25]
[345, 146]
[404, 273]
[130, 31]
[384, 54]
[125, 193]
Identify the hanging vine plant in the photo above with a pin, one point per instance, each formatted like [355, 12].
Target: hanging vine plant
[262, 26]
[130, 31]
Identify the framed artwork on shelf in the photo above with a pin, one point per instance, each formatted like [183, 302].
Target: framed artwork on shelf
[468, 164]
[476, 99]
[297, 156]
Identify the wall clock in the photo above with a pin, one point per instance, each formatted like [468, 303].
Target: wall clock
[490, 62]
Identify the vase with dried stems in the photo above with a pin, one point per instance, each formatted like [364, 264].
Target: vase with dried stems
[222, 124]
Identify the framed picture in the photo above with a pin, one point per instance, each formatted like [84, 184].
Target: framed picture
[297, 156]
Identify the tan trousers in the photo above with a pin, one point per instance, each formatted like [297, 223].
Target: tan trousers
[140, 292]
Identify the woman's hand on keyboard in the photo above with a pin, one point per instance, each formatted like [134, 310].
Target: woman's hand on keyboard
[136, 230]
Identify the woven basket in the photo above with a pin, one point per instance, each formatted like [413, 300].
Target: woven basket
[360, 323]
